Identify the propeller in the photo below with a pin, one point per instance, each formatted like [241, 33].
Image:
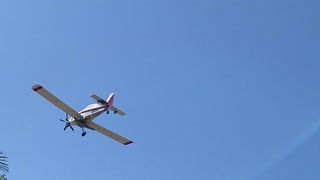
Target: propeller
[67, 123]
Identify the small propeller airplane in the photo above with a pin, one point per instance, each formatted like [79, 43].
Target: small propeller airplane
[84, 118]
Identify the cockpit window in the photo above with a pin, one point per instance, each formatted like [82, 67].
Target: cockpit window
[91, 106]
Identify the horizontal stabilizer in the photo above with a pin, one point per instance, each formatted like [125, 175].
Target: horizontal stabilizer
[98, 99]
[118, 111]
[109, 102]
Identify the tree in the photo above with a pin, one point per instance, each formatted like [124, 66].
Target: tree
[3, 163]
[3, 177]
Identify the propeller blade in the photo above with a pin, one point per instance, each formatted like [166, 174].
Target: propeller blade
[67, 123]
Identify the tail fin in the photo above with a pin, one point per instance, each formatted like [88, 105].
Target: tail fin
[110, 99]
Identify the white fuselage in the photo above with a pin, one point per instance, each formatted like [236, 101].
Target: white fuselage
[90, 112]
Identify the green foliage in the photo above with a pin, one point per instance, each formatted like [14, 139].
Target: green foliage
[3, 177]
[3, 163]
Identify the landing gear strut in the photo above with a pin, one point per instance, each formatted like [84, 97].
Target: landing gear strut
[83, 132]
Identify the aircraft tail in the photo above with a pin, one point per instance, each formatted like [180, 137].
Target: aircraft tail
[110, 99]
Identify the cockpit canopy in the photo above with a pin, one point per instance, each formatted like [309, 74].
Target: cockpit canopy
[92, 106]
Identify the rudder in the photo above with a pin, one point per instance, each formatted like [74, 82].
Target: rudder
[110, 99]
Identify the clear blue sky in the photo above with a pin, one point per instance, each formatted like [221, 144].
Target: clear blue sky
[213, 89]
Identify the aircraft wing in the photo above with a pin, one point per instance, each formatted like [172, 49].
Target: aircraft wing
[109, 133]
[117, 110]
[54, 100]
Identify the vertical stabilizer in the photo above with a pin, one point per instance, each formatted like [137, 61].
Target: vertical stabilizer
[110, 99]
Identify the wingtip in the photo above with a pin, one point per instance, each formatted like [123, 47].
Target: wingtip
[37, 87]
[129, 142]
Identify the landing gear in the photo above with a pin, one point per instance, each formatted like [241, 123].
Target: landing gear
[115, 112]
[107, 112]
[83, 132]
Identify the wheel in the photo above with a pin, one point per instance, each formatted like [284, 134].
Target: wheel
[107, 112]
[84, 133]
[115, 112]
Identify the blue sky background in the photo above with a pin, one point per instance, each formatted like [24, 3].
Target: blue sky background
[216, 89]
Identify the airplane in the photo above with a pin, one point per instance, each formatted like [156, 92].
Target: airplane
[85, 117]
